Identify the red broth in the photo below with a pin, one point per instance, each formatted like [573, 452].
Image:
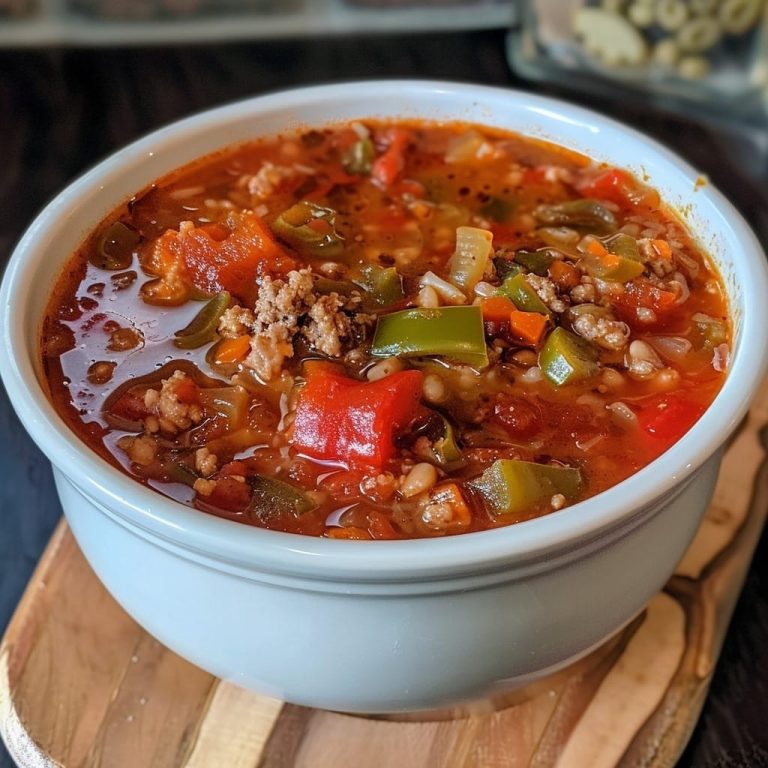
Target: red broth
[386, 330]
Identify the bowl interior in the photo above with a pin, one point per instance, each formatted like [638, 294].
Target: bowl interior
[65, 223]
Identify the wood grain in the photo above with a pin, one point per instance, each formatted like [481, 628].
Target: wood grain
[81, 684]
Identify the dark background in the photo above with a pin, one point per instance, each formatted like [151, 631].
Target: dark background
[63, 110]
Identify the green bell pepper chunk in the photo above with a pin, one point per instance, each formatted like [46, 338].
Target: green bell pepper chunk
[445, 449]
[360, 157]
[506, 267]
[566, 357]
[383, 284]
[497, 209]
[537, 262]
[622, 244]
[116, 247]
[511, 487]
[326, 285]
[621, 270]
[204, 324]
[310, 229]
[517, 290]
[583, 214]
[272, 498]
[453, 332]
[712, 333]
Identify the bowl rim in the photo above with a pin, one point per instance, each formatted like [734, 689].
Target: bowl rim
[165, 520]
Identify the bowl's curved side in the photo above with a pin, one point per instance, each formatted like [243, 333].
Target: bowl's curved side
[61, 227]
[394, 650]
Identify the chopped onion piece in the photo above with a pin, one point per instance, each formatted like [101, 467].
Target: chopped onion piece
[474, 248]
[721, 358]
[448, 292]
[673, 348]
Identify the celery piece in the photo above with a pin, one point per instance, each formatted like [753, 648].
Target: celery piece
[517, 290]
[510, 486]
[470, 259]
[566, 357]
[452, 332]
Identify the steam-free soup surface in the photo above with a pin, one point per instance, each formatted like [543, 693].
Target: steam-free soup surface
[387, 330]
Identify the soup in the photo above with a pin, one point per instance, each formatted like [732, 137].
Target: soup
[386, 330]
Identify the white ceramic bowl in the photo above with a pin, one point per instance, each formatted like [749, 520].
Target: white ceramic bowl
[382, 626]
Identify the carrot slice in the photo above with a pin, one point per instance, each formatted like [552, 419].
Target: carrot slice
[496, 309]
[527, 326]
[233, 350]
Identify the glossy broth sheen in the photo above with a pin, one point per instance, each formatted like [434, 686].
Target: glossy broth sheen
[386, 330]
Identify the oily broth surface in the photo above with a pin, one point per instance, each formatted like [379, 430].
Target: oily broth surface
[374, 224]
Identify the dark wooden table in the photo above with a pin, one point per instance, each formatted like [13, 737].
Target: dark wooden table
[62, 110]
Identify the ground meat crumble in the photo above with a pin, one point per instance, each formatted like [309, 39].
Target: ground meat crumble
[285, 308]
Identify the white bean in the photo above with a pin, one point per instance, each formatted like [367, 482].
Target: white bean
[384, 368]
[420, 479]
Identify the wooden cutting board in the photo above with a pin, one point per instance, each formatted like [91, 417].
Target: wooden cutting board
[81, 684]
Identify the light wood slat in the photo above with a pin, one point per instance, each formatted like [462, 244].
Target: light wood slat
[235, 729]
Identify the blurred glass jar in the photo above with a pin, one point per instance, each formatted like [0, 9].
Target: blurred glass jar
[713, 53]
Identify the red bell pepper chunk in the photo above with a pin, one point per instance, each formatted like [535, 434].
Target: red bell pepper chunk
[352, 422]
[215, 257]
[614, 185]
[666, 418]
[388, 166]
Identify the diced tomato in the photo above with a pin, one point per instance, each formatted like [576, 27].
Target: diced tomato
[535, 175]
[409, 187]
[388, 166]
[186, 390]
[643, 293]
[666, 418]
[352, 422]
[216, 257]
[328, 180]
[519, 416]
[229, 494]
[343, 485]
[613, 184]
[233, 468]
